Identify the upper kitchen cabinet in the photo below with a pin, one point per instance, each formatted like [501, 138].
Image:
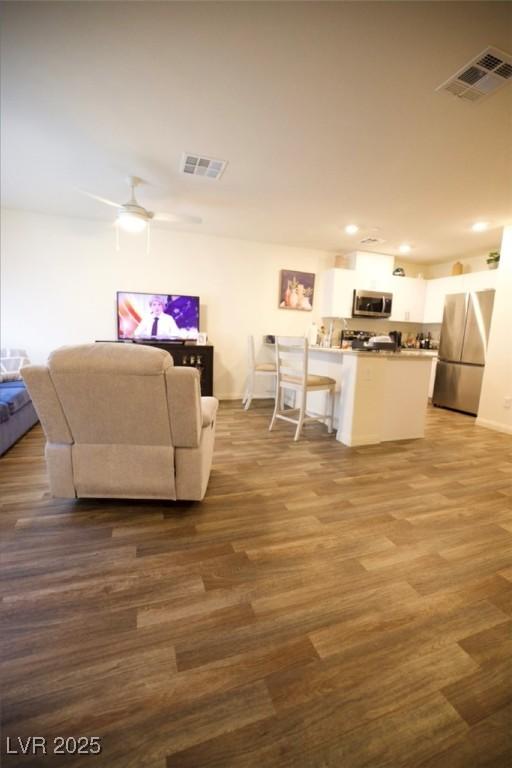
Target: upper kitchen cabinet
[372, 270]
[338, 287]
[367, 271]
[408, 299]
[337, 292]
[414, 300]
[434, 298]
[480, 281]
[440, 287]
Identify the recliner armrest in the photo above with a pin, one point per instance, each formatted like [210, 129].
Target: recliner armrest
[209, 407]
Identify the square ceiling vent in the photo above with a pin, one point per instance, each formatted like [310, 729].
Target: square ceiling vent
[198, 165]
[480, 77]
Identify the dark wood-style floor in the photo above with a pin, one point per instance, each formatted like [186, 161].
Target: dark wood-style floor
[324, 606]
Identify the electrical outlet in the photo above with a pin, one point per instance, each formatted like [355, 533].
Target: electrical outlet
[507, 402]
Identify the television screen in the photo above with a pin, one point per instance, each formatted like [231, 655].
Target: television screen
[157, 316]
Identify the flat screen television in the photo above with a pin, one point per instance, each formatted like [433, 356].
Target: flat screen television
[162, 316]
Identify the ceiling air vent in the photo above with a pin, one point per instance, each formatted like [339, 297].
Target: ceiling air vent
[483, 75]
[371, 241]
[197, 165]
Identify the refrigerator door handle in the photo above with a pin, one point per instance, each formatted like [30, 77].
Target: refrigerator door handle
[478, 324]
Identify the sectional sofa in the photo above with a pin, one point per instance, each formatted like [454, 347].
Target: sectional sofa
[17, 414]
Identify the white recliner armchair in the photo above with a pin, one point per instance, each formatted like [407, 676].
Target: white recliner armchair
[122, 422]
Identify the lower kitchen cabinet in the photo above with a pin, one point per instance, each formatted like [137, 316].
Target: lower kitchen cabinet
[432, 377]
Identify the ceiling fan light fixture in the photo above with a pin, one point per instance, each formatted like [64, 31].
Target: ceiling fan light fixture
[131, 221]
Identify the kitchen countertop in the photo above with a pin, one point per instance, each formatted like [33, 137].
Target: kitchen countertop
[378, 353]
[408, 353]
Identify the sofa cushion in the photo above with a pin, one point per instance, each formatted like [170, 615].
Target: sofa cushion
[14, 397]
[11, 360]
[18, 384]
[107, 358]
[4, 412]
[209, 407]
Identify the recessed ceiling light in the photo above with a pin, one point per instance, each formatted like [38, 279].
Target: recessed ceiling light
[405, 248]
[480, 226]
[351, 229]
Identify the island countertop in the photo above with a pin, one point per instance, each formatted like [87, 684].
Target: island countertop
[401, 354]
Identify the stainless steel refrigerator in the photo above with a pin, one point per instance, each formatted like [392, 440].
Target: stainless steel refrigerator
[462, 350]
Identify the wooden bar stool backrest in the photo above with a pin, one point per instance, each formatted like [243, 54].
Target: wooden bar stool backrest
[292, 359]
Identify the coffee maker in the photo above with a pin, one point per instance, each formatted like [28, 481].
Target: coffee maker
[396, 336]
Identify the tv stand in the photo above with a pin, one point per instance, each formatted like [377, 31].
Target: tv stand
[199, 356]
[173, 343]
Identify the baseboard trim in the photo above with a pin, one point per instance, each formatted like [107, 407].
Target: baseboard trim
[495, 425]
[354, 441]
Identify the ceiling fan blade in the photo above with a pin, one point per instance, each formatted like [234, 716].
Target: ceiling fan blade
[99, 199]
[177, 218]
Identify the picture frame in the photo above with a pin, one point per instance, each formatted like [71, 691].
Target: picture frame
[202, 338]
[296, 290]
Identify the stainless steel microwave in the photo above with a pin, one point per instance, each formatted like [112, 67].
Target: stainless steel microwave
[372, 304]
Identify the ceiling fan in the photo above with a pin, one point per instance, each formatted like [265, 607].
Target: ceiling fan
[133, 217]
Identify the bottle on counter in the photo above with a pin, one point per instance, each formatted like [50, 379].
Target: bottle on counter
[199, 366]
[328, 337]
[313, 335]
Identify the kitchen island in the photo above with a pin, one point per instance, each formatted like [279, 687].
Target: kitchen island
[384, 396]
[381, 396]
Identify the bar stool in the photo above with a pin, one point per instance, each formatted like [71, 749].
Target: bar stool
[292, 373]
[255, 369]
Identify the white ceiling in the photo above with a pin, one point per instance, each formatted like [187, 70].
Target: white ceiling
[326, 112]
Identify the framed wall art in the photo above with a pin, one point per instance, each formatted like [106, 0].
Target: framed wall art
[296, 290]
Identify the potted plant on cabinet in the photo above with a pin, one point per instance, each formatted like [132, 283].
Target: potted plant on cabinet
[493, 259]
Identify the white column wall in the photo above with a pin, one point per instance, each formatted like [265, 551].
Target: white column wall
[495, 409]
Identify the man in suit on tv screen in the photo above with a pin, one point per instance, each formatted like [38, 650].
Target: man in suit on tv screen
[156, 324]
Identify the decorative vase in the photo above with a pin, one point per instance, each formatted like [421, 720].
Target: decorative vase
[493, 264]
[293, 301]
[457, 268]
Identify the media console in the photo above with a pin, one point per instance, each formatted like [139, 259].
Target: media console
[199, 356]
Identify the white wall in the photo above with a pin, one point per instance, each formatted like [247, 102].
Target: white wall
[444, 269]
[497, 383]
[60, 277]
[469, 264]
[431, 271]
